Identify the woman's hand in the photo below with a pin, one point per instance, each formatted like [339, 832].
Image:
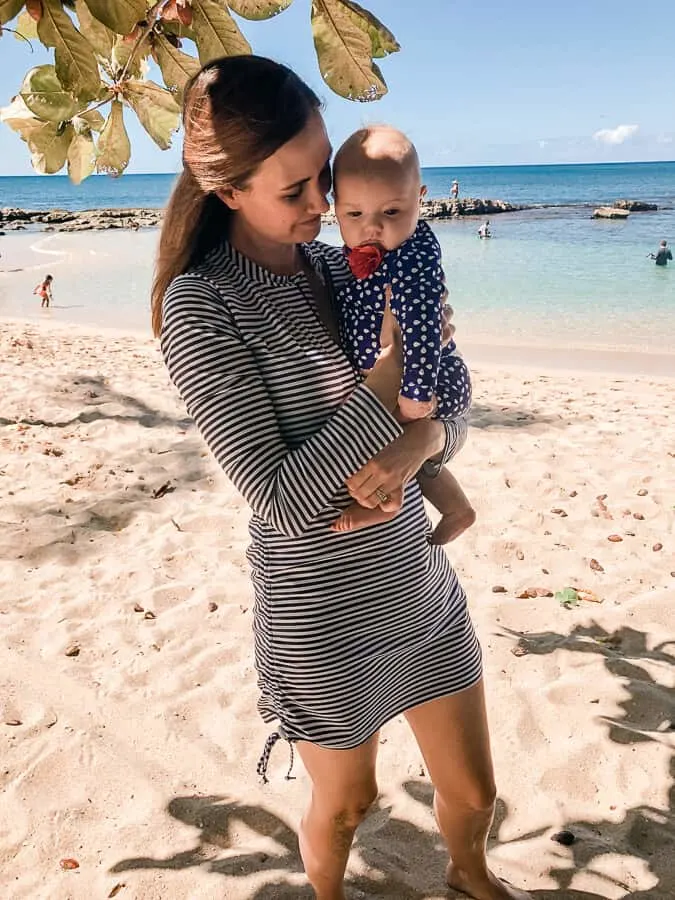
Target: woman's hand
[447, 328]
[384, 379]
[392, 468]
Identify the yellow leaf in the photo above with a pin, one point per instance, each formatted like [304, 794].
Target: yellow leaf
[344, 51]
[382, 40]
[99, 35]
[216, 32]
[92, 118]
[76, 65]
[19, 118]
[81, 157]
[26, 27]
[258, 9]
[156, 109]
[114, 149]
[177, 67]
[120, 16]
[48, 147]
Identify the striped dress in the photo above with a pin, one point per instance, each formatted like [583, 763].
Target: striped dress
[353, 628]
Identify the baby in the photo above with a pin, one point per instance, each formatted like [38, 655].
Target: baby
[397, 258]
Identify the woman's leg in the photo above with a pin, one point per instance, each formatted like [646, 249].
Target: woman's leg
[452, 733]
[343, 788]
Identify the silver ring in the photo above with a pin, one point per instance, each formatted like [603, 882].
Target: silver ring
[381, 496]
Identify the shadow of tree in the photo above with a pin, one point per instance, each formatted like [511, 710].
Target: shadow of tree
[119, 494]
[484, 416]
[406, 862]
[93, 392]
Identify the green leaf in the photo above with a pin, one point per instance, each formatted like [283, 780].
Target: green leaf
[76, 65]
[216, 32]
[26, 27]
[9, 9]
[114, 149]
[156, 109]
[344, 51]
[382, 40]
[567, 597]
[177, 67]
[99, 36]
[91, 119]
[120, 16]
[258, 9]
[81, 157]
[44, 96]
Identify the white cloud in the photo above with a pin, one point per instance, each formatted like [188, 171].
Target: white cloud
[543, 144]
[617, 135]
[664, 139]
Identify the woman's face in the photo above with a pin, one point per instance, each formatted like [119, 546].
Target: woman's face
[285, 198]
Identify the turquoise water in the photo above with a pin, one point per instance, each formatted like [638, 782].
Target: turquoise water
[550, 276]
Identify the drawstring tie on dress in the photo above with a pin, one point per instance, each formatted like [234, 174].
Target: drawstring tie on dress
[263, 762]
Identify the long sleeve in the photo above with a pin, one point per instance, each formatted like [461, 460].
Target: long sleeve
[219, 379]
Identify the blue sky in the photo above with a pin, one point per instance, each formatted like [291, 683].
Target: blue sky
[500, 82]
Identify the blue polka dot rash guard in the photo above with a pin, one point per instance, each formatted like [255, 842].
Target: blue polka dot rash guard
[415, 275]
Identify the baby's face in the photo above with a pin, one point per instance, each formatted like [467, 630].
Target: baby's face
[377, 210]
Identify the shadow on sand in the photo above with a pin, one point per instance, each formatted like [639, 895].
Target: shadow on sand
[387, 844]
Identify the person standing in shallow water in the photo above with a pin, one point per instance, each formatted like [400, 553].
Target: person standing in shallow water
[662, 255]
[242, 301]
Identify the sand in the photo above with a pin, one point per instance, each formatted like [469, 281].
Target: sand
[128, 729]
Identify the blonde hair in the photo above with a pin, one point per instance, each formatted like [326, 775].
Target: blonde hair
[376, 151]
[237, 112]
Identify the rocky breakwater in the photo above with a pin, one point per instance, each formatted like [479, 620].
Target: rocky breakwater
[452, 209]
[82, 220]
[635, 206]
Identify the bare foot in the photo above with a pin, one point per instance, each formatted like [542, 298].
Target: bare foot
[453, 524]
[489, 887]
[355, 517]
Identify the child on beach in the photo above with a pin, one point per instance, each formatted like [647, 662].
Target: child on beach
[44, 290]
[396, 258]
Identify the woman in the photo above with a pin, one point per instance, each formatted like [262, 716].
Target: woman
[242, 300]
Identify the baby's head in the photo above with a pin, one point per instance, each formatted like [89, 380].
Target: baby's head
[376, 184]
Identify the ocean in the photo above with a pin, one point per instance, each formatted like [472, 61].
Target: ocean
[551, 276]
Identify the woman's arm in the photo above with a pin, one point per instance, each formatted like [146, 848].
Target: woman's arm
[218, 378]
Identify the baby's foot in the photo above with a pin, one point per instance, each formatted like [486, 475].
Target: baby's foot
[355, 517]
[453, 524]
[488, 887]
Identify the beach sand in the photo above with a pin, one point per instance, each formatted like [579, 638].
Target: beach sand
[128, 730]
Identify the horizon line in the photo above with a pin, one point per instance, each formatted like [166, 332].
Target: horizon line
[635, 162]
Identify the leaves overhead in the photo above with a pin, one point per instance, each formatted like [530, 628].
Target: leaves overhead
[344, 49]
[101, 52]
[9, 9]
[216, 32]
[81, 157]
[176, 67]
[44, 96]
[258, 9]
[156, 109]
[76, 64]
[101, 38]
[120, 16]
[114, 149]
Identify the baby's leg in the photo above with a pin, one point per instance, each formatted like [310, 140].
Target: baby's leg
[408, 410]
[357, 516]
[444, 492]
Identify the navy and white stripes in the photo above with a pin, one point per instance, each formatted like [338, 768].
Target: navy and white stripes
[350, 628]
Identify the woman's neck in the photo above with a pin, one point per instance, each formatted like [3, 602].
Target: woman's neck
[281, 259]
